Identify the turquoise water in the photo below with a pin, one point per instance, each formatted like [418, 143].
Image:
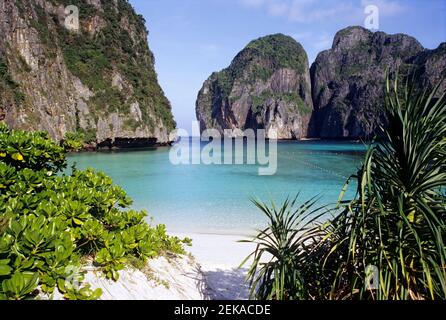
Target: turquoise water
[216, 198]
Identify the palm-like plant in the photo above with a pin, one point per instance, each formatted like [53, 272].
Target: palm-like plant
[397, 222]
[282, 250]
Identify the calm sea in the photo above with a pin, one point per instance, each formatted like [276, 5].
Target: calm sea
[216, 198]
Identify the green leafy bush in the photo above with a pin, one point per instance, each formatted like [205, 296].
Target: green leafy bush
[34, 151]
[50, 222]
[73, 141]
[77, 140]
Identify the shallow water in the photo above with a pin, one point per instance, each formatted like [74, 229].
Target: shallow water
[216, 198]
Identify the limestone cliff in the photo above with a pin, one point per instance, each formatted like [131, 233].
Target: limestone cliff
[98, 79]
[431, 68]
[267, 86]
[348, 80]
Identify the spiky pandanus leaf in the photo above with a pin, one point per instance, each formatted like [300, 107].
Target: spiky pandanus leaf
[282, 250]
[398, 220]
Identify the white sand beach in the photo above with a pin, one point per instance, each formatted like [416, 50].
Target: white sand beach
[210, 272]
[219, 257]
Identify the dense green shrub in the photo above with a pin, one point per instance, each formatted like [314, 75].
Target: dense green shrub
[78, 140]
[32, 150]
[50, 222]
[73, 141]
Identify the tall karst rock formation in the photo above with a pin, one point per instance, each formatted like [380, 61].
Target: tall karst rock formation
[348, 80]
[99, 79]
[268, 85]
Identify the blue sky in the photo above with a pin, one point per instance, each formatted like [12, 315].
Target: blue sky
[193, 38]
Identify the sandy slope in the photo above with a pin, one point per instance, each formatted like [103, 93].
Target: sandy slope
[165, 279]
[219, 257]
[212, 273]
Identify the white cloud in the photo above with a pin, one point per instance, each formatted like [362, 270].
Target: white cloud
[277, 9]
[316, 41]
[306, 11]
[299, 10]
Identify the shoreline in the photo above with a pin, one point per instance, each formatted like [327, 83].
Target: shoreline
[100, 147]
[223, 250]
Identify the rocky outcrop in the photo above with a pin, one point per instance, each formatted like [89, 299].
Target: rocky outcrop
[348, 80]
[431, 68]
[267, 86]
[98, 79]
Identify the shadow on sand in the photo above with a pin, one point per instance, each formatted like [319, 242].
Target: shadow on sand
[226, 284]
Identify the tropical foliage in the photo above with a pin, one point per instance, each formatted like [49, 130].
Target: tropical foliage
[79, 140]
[283, 244]
[386, 243]
[52, 223]
[73, 141]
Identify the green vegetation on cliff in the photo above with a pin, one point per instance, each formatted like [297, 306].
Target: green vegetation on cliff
[259, 102]
[260, 58]
[7, 84]
[93, 58]
[110, 44]
[270, 77]
[283, 51]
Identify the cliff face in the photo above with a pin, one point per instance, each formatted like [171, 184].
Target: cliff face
[343, 99]
[99, 79]
[348, 80]
[431, 68]
[267, 86]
